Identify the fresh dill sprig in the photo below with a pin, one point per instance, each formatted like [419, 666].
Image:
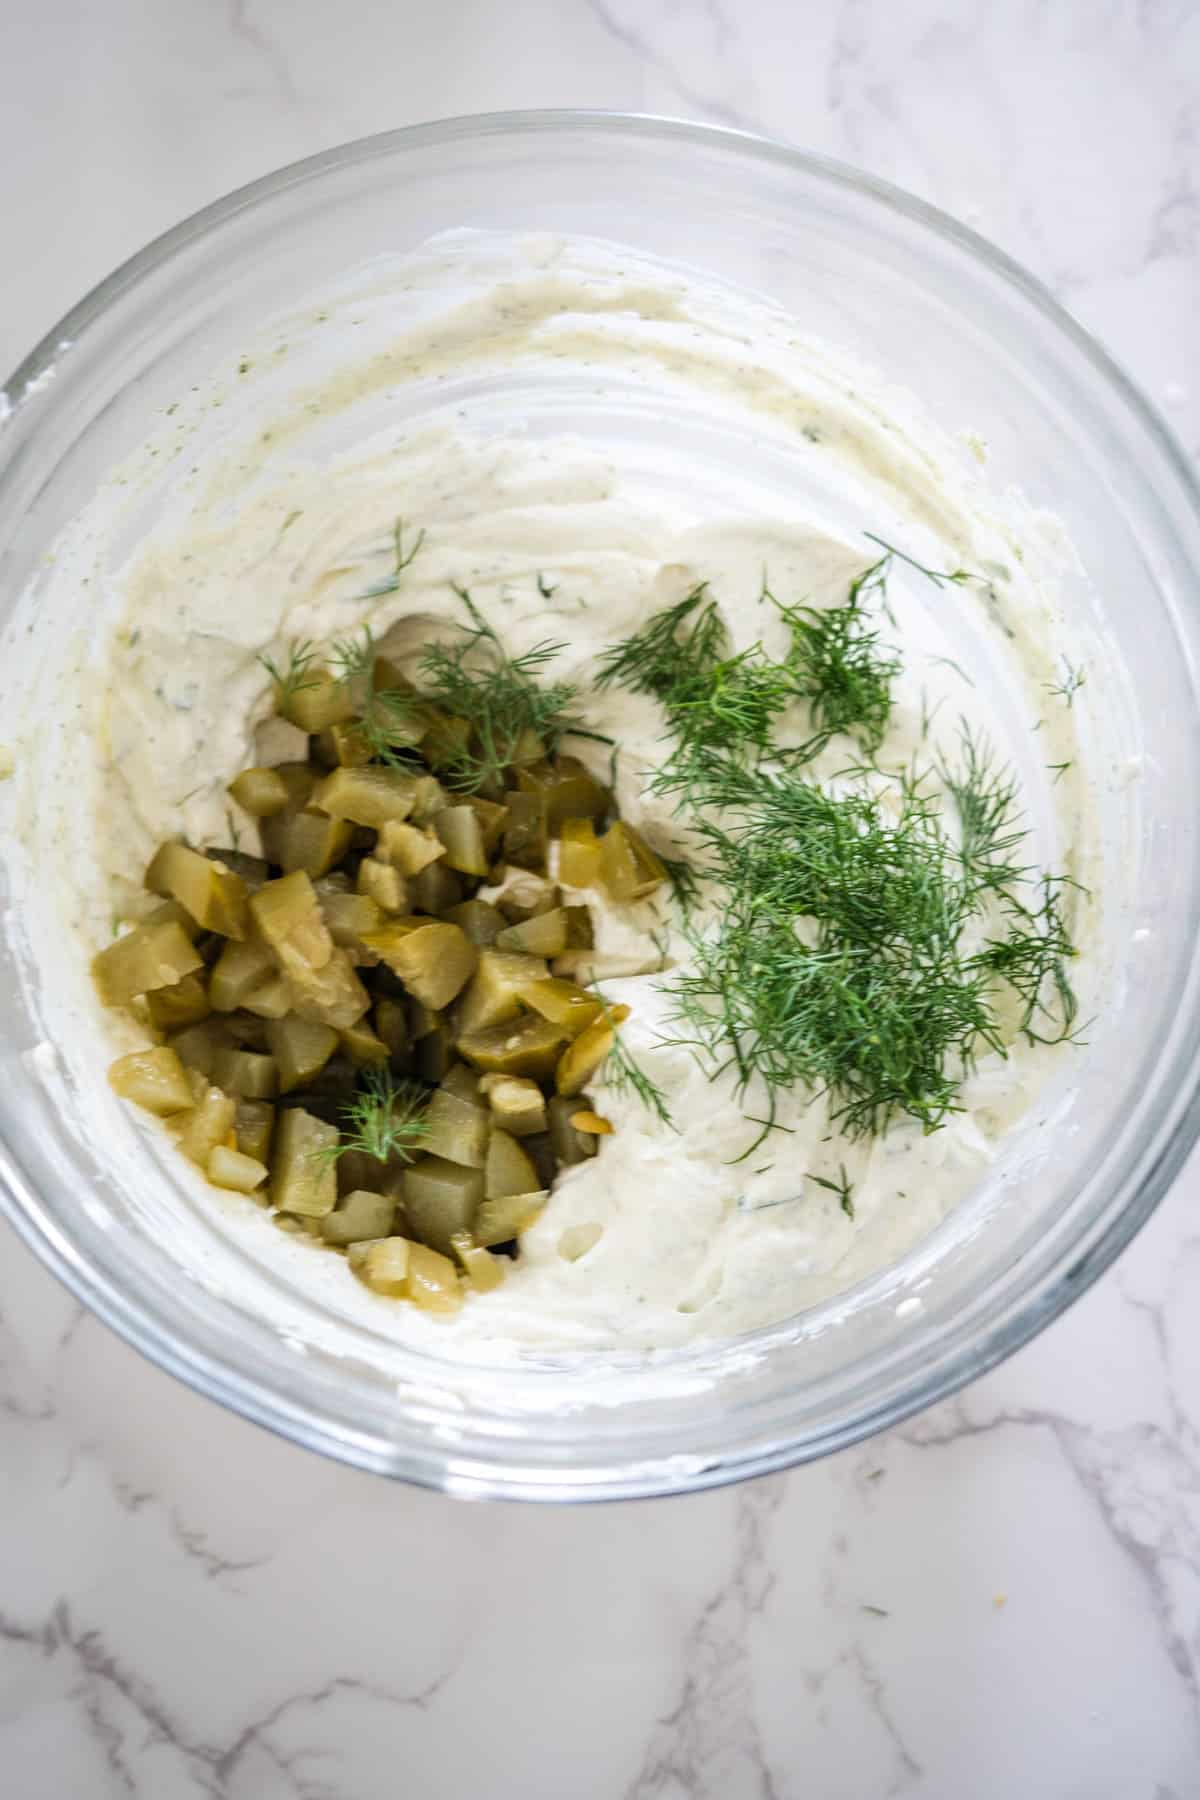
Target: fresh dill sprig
[1066, 689]
[950, 577]
[385, 1119]
[839, 668]
[677, 646]
[294, 677]
[841, 1187]
[403, 557]
[985, 796]
[625, 1074]
[503, 697]
[684, 880]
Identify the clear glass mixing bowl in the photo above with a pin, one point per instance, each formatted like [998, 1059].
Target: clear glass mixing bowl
[948, 317]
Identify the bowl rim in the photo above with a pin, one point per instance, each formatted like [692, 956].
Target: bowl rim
[260, 1401]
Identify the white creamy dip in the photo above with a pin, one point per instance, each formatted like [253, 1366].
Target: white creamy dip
[553, 410]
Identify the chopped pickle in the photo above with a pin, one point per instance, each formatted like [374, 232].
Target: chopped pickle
[154, 1079]
[492, 820]
[254, 1125]
[184, 1004]
[422, 1019]
[299, 780]
[319, 701]
[362, 1046]
[260, 792]
[508, 1168]
[566, 790]
[367, 796]
[391, 1024]
[570, 1144]
[246, 1031]
[331, 996]
[493, 994]
[434, 960]
[436, 889]
[278, 741]
[526, 894]
[208, 1125]
[240, 969]
[563, 1003]
[429, 797]
[440, 1198]
[445, 740]
[308, 840]
[197, 1045]
[629, 869]
[579, 854]
[579, 928]
[170, 912]
[460, 831]
[383, 1266]
[543, 935]
[245, 1074]
[383, 885]
[541, 1149]
[233, 1169]
[526, 839]
[301, 1048]
[211, 893]
[254, 870]
[481, 921]
[577, 1240]
[482, 1270]
[271, 1001]
[407, 847]
[348, 916]
[432, 1283]
[358, 1215]
[499, 1221]
[581, 1059]
[148, 957]
[288, 916]
[343, 746]
[527, 1046]
[518, 1105]
[456, 1129]
[435, 1053]
[463, 1082]
[591, 1123]
[303, 1173]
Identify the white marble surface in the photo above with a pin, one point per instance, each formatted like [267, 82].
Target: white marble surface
[1000, 1599]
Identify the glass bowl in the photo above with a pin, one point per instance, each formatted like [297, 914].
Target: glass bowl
[949, 318]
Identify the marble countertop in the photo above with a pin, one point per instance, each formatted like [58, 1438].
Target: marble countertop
[1002, 1597]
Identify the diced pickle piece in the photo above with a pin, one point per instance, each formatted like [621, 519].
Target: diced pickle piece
[343, 746]
[579, 854]
[581, 1059]
[541, 1149]
[407, 847]
[493, 995]
[434, 960]
[435, 1053]
[483, 1270]
[436, 889]
[460, 831]
[462, 1082]
[348, 916]
[518, 1105]
[260, 792]
[184, 1004]
[499, 1221]
[271, 1001]
[590, 1123]
[383, 1266]
[440, 1198]
[508, 1169]
[253, 870]
[211, 893]
[422, 1019]
[197, 1045]
[543, 935]
[429, 797]
[629, 869]
[526, 839]
[481, 921]
[432, 1283]
[383, 885]
[445, 740]
[330, 996]
[570, 1144]
[362, 1046]
[527, 1046]
[577, 1240]
[318, 701]
[308, 840]
[579, 928]
[367, 796]
[233, 1169]
[278, 741]
[300, 781]
[253, 1126]
[288, 916]
[154, 1079]
[207, 1126]
[148, 957]
[391, 1024]
[170, 912]
[525, 895]
[492, 819]
[301, 1048]
[245, 1074]
[563, 1003]
[238, 972]
[359, 1215]
[567, 791]
[456, 1130]
[303, 1174]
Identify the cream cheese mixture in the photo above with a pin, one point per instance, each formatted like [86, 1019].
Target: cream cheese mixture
[582, 438]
